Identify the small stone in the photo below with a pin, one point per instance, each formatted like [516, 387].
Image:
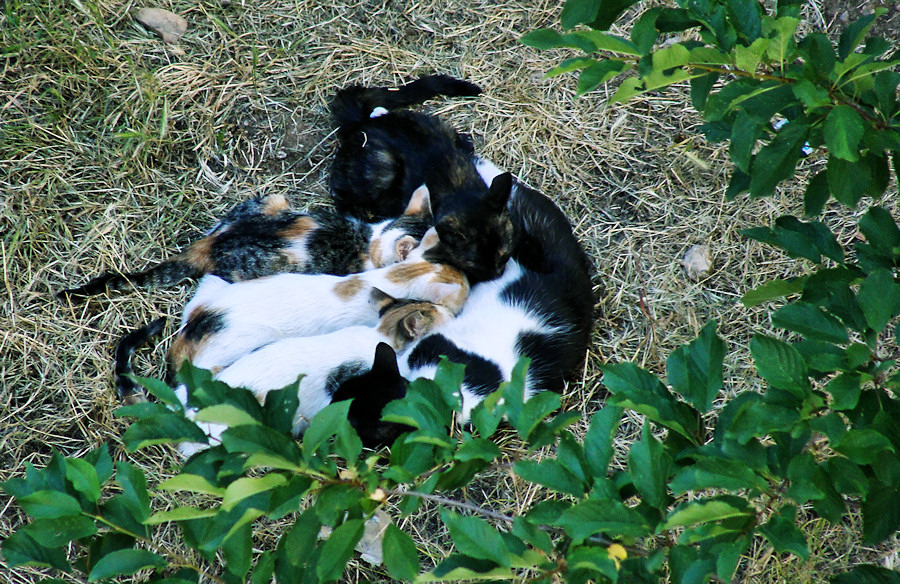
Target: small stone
[168, 25]
[697, 262]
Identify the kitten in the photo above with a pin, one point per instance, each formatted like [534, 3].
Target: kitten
[384, 153]
[264, 236]
[224, 321]
[329, 362]
[541, 308]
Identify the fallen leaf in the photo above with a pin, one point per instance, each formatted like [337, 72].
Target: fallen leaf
[369, 545]
[167, 25]
[697, 262]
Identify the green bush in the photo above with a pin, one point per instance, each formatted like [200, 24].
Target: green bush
[702, 483]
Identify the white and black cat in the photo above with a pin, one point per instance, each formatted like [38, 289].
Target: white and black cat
[385, 152]
[223, 321]
[264, 236]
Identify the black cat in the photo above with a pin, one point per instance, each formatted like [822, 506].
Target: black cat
[384, 153]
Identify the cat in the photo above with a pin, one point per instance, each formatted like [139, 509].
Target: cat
[335, 367]
[541, 308]
[264, 236]
[224, 321]
[384, 153]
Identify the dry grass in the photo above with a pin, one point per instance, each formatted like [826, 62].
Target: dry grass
[116, 150]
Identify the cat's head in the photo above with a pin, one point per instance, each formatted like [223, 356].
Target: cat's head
[370, 392]
[405, 321]
[393, 239]
[478, 239]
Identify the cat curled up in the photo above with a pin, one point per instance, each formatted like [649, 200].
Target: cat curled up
[356, 362]
[384, 153]
[264, 236]
[223, 321]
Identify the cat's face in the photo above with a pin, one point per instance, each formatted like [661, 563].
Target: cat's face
[478, 240]
[406, 322]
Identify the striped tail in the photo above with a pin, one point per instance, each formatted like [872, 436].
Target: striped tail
[129, 391]
[166, 273]
[354, 104]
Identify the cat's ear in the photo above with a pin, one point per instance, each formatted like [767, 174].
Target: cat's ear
[419, 203]
[415, 324]
[385, 360]
[380, 299]
[404, 245]
[498, 194]
[430, 239]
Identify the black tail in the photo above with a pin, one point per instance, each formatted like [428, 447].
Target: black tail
[165, 273]
[355, 103]
[129, 391]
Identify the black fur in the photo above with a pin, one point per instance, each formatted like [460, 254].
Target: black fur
[482, 375]
[370, 392]
[129, 391]
[380, 161]
[202, 323]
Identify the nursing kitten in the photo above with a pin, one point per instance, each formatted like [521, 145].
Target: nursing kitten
[224, 321]
[264, 236]
[541, 308]
[384, 153]
[331, 364]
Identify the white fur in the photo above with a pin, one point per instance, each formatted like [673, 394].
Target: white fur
[487, 326]
[378, 112]
[280, 363]
[487, 169]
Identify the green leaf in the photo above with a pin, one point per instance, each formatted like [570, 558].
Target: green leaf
[881, 512]
[257, 440]
[247, 487]
[474, 537]
[630, 87]
[543, 38]
[280, 408]
[400, 556]
[755, 420]
[879, 298]
[649, 466]
[780, 364]
[816, 194]
[134, 487]
[603, 41]
[813, 96]
[589, 517]
[784, 535]
[695, 369]
[598, 446]
[225, 414]
[863, 446]
[867, 574]
[848, 181]
[591, 559]
[641, 391]
[238, 552]
[845, 389]
[179, 514]
[477, 449]
[338, 549]
[161, 429]
[744, 133]
[532, 534]
[881, 231]
[701, 86]
[161, 391]
[708, 510]
[59, 531]
[264, 569]
[843, 131]
[853, 35]
[20, 549]
[84, 478]
[323, 426]
[777, 160]
[552, 474]
[296, 545]
[716, 473]
[771, 290]
[192, 484]
[125, 562]
[596, 74]
[49, 504]
[569, 65]
[810, 240]
[577, 12]
[810, 321]
[534, 411]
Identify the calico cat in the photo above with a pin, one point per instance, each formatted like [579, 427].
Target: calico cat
[384, 153]
[541, 308]
[264, 236]
[224, 321]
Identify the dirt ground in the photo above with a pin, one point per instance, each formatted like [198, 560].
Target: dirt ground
[117, 149]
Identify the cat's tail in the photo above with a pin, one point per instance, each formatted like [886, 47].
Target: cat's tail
[356, 103]
[129, 391]
[165, 273]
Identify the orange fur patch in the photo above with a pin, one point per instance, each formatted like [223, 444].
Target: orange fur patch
[200, 255]
[375, 253]
[395, 325]
[406, 272]
[349, 288]
[298, 228]
[275, 204]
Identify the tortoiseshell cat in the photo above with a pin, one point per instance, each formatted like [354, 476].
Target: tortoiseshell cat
[264, 236]
[384, 153]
